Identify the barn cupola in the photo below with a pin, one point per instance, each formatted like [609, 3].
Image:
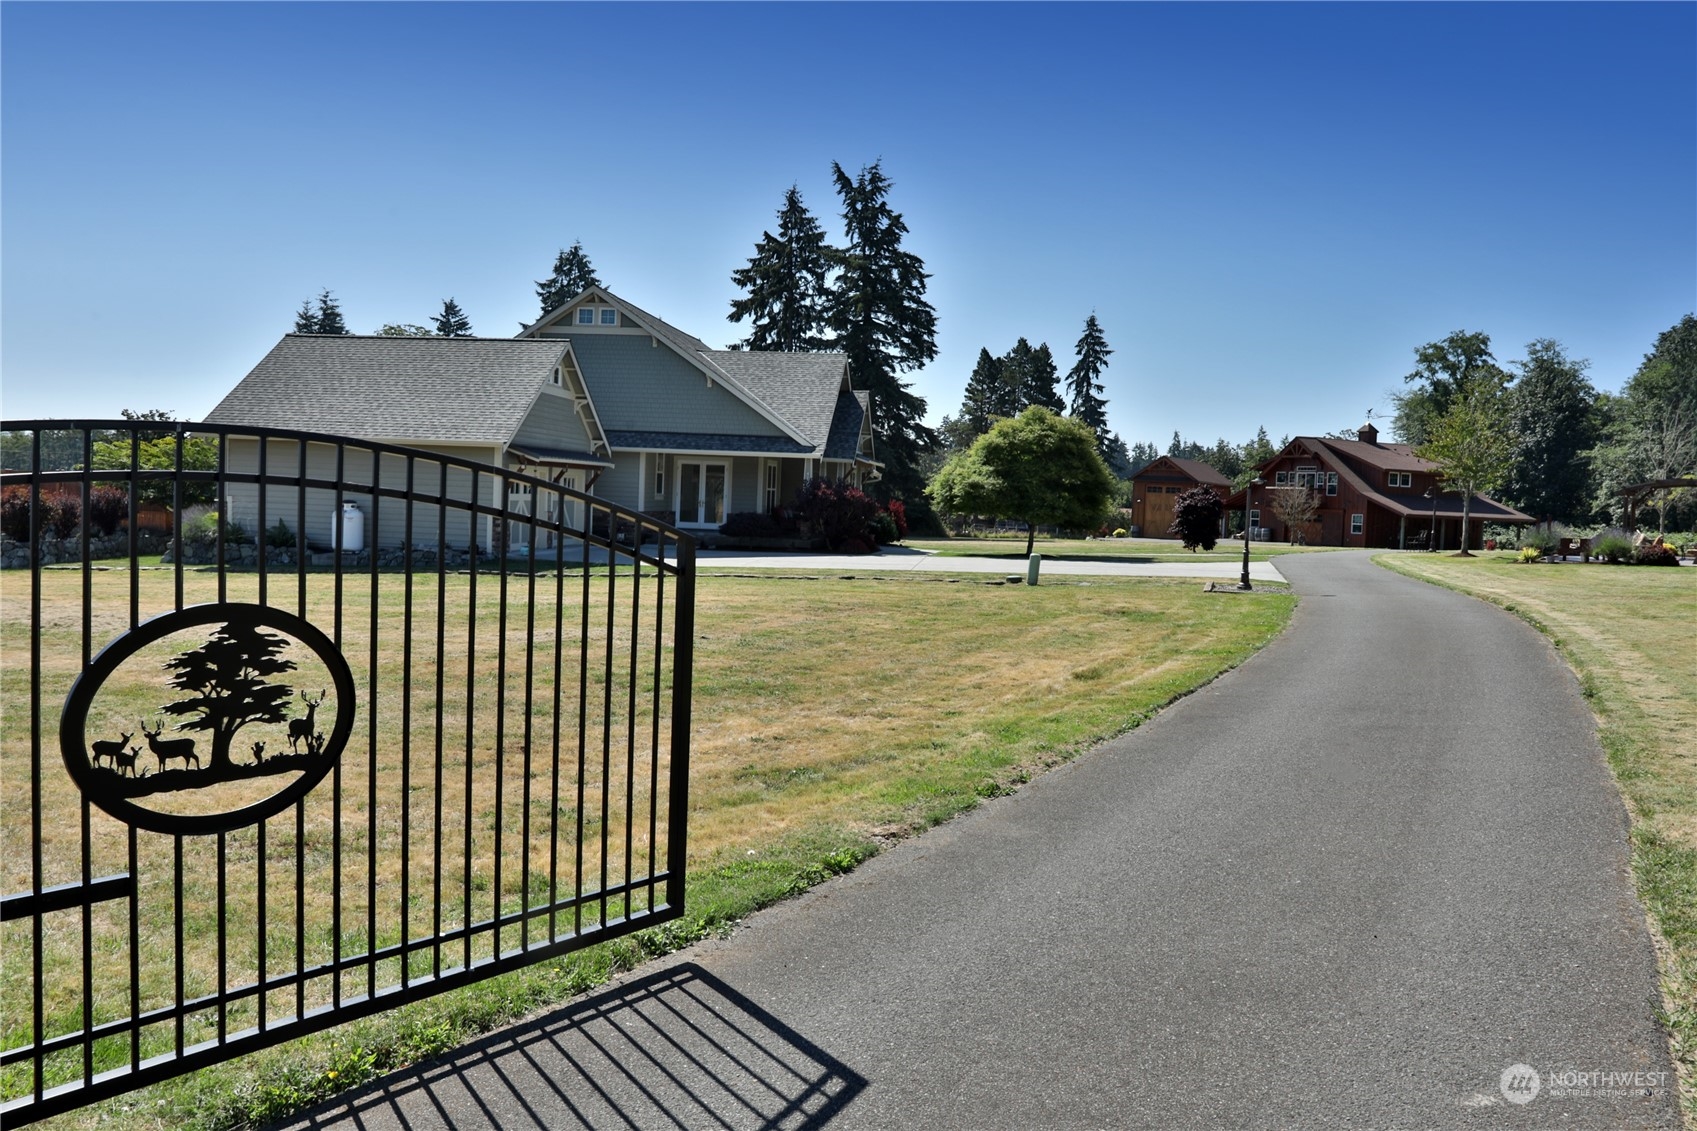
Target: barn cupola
[1367, 434]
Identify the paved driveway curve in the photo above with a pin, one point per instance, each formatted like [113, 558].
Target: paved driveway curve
[1347, 885]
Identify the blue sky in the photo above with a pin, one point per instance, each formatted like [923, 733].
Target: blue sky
[1267, 206]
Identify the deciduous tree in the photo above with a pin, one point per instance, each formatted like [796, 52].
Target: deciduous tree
[1442, 371]
[1472, 442]
[1296, 507]
[1039, 467]
[1196, 519]
[1550, 409]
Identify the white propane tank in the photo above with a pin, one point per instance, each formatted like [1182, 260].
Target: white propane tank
[347, 530]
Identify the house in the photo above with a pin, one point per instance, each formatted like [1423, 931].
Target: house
[1158, 485]
[1369, 494]
[598, 395]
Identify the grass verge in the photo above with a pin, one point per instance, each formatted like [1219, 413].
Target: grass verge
[1612, 624]
[831, 716]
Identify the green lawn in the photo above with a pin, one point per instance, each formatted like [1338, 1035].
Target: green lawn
[819, 735]
[1111, 549]
[1627, 631]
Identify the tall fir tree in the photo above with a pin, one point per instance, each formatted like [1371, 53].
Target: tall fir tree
[452, 322]
[784, 284]
[882, 321]
[573, 274]
[326, 319]
[985, 398]
[1084, 380]
[1043, 381]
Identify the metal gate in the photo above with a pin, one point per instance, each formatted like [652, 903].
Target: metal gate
[353, 741]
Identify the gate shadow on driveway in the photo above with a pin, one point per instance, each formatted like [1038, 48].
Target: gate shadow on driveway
[678, 1048]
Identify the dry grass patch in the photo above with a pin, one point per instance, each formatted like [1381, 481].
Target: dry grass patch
[1627, 631]
[828, 714]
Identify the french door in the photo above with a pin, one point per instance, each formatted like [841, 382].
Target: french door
[701, 493]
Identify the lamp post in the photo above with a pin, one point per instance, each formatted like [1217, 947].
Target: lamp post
[1432, 531]
[1248, 489]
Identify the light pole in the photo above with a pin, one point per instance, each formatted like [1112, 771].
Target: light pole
[1248, 489]
[1432, 531]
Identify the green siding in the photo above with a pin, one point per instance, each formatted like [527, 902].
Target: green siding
[642, 387]
[553, 422]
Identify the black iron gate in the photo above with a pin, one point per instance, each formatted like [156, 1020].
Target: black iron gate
[379, 722]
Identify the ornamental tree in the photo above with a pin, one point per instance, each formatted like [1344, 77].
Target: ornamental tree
[1196, 519]
[1037, 468]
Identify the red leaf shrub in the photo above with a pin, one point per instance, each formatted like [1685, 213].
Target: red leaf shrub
[836, 511]
[898, 511]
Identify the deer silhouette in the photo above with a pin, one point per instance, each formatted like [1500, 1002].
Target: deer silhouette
[126, 762]
[302, 728]
[110, 750]
[170, 749]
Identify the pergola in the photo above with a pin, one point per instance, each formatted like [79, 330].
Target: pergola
[1638, 492]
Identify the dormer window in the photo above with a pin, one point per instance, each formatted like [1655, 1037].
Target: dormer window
[1400, 478]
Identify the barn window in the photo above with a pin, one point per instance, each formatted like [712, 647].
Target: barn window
[1355, 524]
[1331, 482]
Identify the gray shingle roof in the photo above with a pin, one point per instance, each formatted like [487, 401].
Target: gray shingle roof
[844, 442]
[800, 387]
[475, 390]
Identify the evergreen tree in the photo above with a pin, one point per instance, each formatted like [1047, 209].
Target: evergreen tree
[573, 274]
[329, 315]
[1042, 382]
[1143, 453]
[326, 319]
[1016, 371]
[784, 284]
[306, 319]
[1118, 457]
[403, 330]
[986, 398]
[1084, 381]
[882, 321]
[452, 322]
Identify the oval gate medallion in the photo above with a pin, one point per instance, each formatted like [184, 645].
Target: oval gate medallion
[202, 733]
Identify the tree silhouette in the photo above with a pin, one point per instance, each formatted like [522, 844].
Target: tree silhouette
[228, 675]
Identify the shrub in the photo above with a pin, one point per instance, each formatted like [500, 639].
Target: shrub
[200, 528]
[1612, 546]
[280, 537]
[884, 528]
[897, 510]
[751, 524]
[65, 517]
[1540, 539]
[1530, 554]
[1654, 553]
[837, 512]
[108, 508]
[14, 513]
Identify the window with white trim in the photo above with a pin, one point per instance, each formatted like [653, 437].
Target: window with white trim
[1281, 479]
[1400, 478]
[1355, 522]
[1331, 482]
[586, 316]
[609, 316]
[659, 479]
[771, 486]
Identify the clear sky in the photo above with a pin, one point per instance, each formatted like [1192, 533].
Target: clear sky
[1267, 206]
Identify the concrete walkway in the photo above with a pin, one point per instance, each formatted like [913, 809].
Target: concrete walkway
[1374, 878]
[903, 559]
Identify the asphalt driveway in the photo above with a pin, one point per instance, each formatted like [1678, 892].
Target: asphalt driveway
[1375, 877]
